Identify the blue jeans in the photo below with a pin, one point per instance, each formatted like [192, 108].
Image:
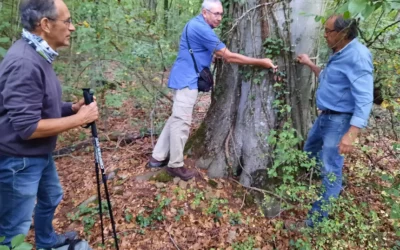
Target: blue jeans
[322, 143]
[25, 181]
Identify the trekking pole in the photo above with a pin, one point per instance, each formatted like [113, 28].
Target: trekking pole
[88, 96]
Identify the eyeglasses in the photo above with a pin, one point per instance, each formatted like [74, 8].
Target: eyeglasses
[67, 22]
[216, 14]
[328, 31]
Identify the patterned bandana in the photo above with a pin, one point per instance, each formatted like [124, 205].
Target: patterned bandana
[40, 45]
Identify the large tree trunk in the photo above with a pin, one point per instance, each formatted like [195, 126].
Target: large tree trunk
[232, 138]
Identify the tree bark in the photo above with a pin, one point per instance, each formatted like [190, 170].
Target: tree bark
[232, 138]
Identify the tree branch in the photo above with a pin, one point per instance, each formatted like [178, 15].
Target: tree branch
[387, 50]
[362, 35]
[262, 191]
[377, 22]
[247, 12]
[170, 237]
[116, 136]
[381, 32]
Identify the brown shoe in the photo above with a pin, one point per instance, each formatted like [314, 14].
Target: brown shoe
[182, 172]
[153, 163]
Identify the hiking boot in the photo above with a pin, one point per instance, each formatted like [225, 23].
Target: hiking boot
[295, 226]
[65, 238]
[153, 163]
[182, 172]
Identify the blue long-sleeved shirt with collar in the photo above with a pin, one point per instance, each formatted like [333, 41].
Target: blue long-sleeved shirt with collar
[346, 83]
[203, 41]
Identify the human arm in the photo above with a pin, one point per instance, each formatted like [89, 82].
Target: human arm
[206, 38]
[52, 127]
[305, 59]
[66, 109]
[347, 143]
[69, 108]
[237, 58]
[362, 91]
[23, 96]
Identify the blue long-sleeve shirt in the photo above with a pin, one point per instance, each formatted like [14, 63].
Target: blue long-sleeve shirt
[346, 84]
[203, 42]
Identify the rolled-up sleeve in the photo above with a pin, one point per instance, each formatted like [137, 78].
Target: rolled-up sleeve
[362, 87]
[66, 109]
[23, 97]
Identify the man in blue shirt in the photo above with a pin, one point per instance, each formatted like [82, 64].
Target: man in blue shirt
[344, 98]
[183, 80]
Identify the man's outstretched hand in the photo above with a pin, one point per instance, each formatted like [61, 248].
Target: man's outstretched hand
[304, 59]
[267, 63]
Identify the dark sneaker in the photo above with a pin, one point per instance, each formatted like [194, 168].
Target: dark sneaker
[64, 239]
[182, 172]
[153, 163]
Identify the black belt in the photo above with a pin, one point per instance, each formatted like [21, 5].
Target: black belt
[333, 112]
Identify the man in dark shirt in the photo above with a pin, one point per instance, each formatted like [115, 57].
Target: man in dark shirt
[31, 116]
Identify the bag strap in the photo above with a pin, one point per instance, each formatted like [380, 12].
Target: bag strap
[72, 244]
[191, 51]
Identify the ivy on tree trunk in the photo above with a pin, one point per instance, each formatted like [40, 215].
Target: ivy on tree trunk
[232, 138]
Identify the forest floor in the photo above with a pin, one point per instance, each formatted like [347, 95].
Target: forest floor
[199, 214]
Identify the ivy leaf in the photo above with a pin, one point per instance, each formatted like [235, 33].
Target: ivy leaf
[357, 6]
[4, 248]
[2, 238]
[17, 240]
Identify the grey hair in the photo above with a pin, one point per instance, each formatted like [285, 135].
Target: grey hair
[32, 11]
[208, 4]
[350, 26]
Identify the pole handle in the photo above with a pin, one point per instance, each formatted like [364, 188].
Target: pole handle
[88, 96]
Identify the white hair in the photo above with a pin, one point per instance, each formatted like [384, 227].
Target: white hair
[208, 4]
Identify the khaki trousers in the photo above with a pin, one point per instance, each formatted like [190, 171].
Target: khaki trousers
[176, 131]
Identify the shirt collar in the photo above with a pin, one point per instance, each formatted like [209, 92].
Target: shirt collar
[349, 45]
[201, 18]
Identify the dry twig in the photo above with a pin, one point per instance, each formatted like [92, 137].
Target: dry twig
[170, 237]
[261, 191]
